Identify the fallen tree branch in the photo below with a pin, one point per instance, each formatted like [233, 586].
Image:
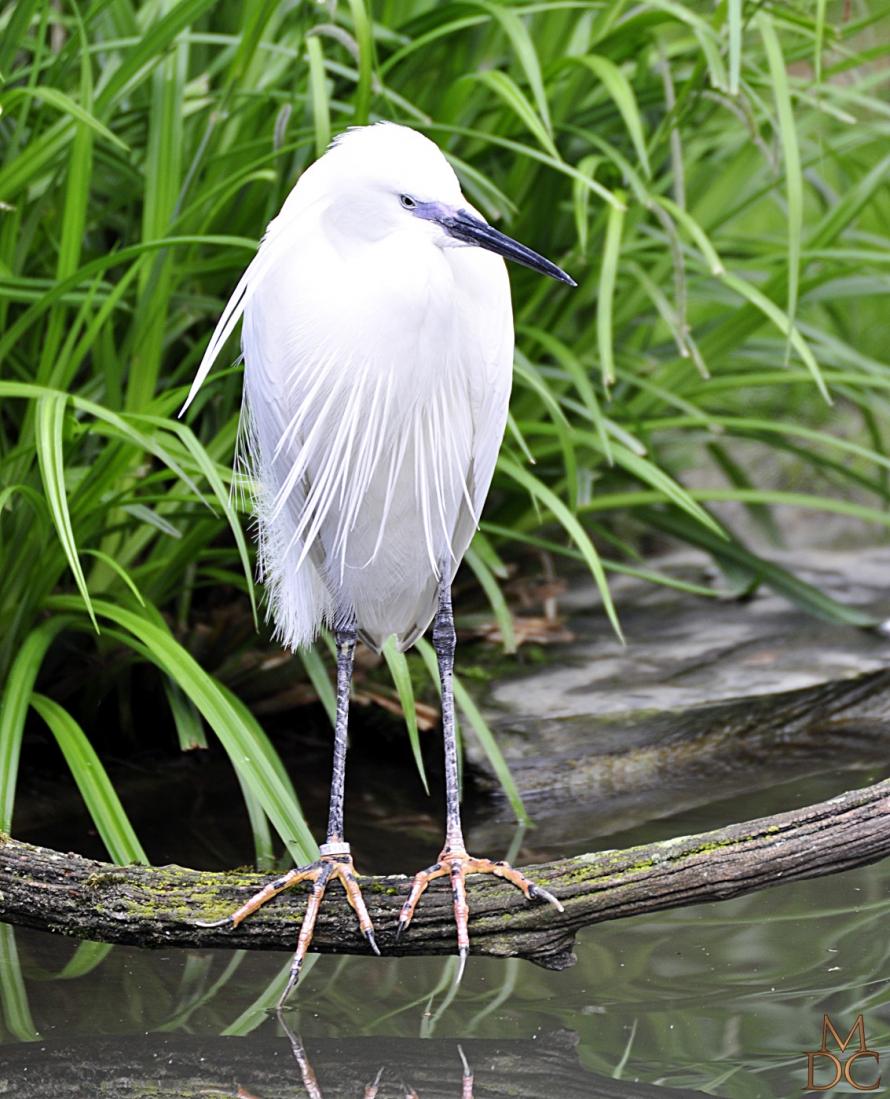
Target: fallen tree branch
[158, 906]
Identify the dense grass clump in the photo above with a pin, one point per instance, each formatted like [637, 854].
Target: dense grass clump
[714, 177]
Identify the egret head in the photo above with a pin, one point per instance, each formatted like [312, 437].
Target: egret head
[387, 178]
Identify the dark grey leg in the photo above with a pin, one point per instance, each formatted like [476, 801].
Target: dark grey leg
[336, 858]
[345, 637]
[444, 642]
[453, 859]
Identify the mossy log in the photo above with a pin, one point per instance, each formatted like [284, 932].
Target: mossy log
[159, 906]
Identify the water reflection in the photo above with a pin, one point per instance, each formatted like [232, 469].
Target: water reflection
[310, 1079]
[169, 1067]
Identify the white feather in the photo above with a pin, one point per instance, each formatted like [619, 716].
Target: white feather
[377, 369]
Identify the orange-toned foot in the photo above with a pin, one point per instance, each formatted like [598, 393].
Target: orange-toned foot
[335, 862]
[458, 865]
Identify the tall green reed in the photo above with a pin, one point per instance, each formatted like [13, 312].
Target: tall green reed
[715, 180]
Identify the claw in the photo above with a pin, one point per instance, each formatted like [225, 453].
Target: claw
[536, 892]
[372, 942]
[292, 982]
[215, 923]
[418, 887]
[463, 953]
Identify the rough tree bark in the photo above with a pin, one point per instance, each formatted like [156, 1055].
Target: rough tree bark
[158, 906]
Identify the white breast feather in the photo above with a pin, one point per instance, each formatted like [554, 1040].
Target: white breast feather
[372, 420]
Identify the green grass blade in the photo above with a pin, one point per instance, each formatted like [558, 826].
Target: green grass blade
[820, 39]
[186, 718]
[49, 427]
[782, 321]
[84, 960]
[791, 157]
[320, 680]
[263, 847]
[606, 293]
[797, 591]
[120, 424]
[488, 583]
[15, 31]
[650, 474]
[16, 700]
[147, 51]
[524, 48]
[401, 677]
[66, 106]
[13, 995]
[695, 231]
[507, 90]
[587, 167]
[117, 568]
[99, 797]
[364, 37]
[257, 1014]
[208, 468]
[477, 722]
[734, 22]
[263, 746]
[573, 528]
[318, 87]
[237, 735]
[621, 92]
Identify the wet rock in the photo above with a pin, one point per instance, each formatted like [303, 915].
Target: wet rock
[708, 697]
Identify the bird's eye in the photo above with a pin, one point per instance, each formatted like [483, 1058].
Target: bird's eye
[407, 202]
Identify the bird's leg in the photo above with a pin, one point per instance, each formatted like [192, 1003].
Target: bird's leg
[345, 638]
[335, 857]
[453, 860]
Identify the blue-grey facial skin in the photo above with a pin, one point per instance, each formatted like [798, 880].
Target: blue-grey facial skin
[470, 229]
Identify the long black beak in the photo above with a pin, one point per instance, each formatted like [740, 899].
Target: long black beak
[463, 225]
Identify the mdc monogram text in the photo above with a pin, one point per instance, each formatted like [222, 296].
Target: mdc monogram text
[859, 1067]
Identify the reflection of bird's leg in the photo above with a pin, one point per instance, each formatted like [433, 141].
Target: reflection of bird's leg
[466, 1091]
[307, 1072]
[371, 1089]
[453, 860]
[467, 1087]
[335, 859]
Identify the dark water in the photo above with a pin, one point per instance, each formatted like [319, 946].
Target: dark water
[721, 999]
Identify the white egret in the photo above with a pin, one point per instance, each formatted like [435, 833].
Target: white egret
[378, 344]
